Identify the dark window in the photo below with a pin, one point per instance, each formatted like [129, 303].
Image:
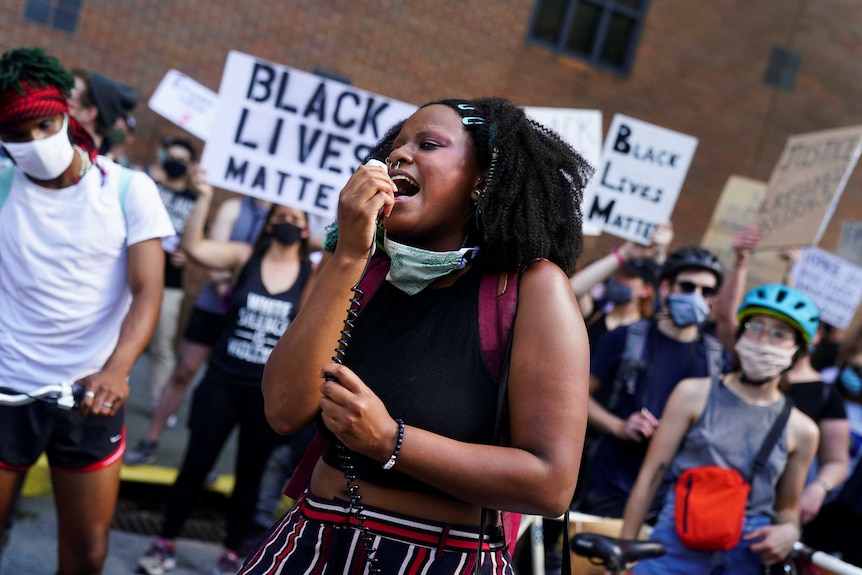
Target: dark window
[331, 76]
[605, 33]
[59, 14]
[782, 69]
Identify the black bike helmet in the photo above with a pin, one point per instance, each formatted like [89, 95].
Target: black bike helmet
[692, 258]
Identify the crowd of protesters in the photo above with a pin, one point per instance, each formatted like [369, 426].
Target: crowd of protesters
[685, 363]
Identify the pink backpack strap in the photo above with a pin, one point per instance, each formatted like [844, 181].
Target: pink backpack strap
[301, 476]
[498, 300]
[378, 267]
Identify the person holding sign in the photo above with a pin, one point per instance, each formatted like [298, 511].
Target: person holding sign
[817, 399]
[630, 275]
[476, 195]
[736, 430]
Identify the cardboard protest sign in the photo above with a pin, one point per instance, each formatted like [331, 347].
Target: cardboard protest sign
[292, 137]
[186, 103]
[833, 284]
[850, 245]
[805, 186]
[581, 129]
[639, 179]
[736, 209]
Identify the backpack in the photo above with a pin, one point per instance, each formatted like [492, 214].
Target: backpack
[634, 359]
[8, 175]
[498, 298]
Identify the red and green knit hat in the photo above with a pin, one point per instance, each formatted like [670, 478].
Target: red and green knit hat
[35, 85]
[32, 85]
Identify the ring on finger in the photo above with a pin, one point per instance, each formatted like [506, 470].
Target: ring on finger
[107, 404]
[90, 393]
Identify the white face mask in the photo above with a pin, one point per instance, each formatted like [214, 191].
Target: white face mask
[762, 362]
[44, 159]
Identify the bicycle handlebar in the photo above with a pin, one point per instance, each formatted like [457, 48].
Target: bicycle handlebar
[613, 553]
[63, 395]
[825, 561]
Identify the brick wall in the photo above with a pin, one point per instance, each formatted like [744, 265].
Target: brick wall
[698, 68]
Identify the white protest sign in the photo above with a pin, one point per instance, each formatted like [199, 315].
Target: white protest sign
[582, 130]
[850, 245]
[833, 284]
[805, 186]
[639, 179]
[292, 137]
[185, 102]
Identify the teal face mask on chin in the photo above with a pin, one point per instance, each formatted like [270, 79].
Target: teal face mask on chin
[413, 269]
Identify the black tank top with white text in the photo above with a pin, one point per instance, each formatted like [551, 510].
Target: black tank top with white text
[254, 322]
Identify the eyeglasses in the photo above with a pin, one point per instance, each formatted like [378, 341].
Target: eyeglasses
[691, 287]
[775, 335]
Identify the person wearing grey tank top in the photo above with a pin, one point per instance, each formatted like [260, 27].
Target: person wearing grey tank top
[724, 423]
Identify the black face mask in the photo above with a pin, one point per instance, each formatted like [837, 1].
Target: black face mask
[174, 168]
[825, 355]
[618, 293]
[286, 233]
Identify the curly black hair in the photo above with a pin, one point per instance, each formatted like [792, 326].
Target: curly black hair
[533, 186]
[35, 67]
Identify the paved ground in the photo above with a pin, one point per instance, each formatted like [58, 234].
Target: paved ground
[32, 543]
[32, 548]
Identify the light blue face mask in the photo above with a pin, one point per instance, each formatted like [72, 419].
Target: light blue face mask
[687, 309]
[414, 269]
[851, 381]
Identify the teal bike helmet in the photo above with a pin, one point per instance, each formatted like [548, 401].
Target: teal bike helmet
[784, 303]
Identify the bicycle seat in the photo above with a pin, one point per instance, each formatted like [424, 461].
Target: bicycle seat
[613, 553]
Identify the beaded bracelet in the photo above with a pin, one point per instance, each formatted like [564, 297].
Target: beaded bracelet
[391, 462]
[618, 255]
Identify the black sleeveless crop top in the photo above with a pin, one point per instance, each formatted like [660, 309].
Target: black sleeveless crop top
[422, 356]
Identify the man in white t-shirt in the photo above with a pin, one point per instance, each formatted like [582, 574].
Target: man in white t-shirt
[80, 285]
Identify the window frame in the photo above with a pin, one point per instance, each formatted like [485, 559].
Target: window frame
[608, 9]
[55, 6]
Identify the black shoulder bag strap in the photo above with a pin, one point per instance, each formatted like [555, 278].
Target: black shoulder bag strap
[771, 440]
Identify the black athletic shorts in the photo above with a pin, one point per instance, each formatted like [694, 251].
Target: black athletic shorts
[71, 442]
[204, 327]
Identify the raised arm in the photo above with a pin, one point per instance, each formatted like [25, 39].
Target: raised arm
[733, 290]
[216, 254]
[291, 379]
[225, 219]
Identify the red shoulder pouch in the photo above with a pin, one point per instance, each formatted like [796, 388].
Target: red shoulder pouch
[710, 507]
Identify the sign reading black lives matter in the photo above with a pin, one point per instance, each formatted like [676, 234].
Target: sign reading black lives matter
[636, 186]
[805, 187]
[292, 137]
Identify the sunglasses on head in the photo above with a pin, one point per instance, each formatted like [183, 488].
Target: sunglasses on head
[691, 287]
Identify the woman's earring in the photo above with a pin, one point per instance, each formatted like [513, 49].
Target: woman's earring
[475, 195]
